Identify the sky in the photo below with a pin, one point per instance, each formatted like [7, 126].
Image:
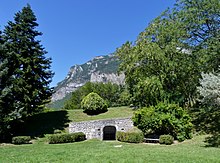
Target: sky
[75, 31]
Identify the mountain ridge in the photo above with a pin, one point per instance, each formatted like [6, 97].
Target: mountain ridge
[102, 68]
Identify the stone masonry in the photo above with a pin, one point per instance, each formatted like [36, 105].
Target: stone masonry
[95, 129]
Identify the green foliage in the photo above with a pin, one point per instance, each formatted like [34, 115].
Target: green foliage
[175, 48]
[208, 116]
[74, 101]
[148, 92]
[25, 70]
[66, 138]
[124, 98]
[21, 140]
[130, 137]
[214, 140]
[29, 68]
[93, 104]
[57, 105]
[108, 91]
[166, 139]
[202, 21]
[5, 93]
[164, 119]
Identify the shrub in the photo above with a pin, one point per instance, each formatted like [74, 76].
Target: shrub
[213, 140]
[130, 137]
[79, 136]
[166, 139]
[21, 140]
[208, 116]
[93, 104]
[66, 138]
[164, 119]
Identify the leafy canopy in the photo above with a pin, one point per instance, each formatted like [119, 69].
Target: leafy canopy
[175, 48]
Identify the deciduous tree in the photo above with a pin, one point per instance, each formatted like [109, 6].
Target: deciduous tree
[175, 48]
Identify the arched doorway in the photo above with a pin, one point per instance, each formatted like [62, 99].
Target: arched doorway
[109, 133]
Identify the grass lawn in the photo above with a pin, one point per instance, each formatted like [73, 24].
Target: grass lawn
[45, 123]
[116, 112]
[105, 151]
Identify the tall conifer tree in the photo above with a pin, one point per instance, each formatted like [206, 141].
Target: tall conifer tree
[28, 67]
[6, 93]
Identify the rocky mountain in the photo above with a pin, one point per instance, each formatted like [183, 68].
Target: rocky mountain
[99, 69]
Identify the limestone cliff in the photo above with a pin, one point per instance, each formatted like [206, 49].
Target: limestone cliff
[100, 69]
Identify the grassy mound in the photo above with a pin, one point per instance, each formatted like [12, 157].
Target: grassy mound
[116, 112]
[47, 123]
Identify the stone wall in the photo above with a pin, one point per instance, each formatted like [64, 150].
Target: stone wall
[94, 129]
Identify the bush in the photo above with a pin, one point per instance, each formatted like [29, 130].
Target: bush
[66, 138]
[164, 119]
[130, 137]
[208, 115]
[21, 140]
[166, 139]
[93, 104]
[213, 140]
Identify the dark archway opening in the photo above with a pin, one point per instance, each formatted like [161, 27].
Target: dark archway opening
[109, 133]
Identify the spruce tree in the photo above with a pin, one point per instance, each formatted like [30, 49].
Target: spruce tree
[28, 68]
[6, 94]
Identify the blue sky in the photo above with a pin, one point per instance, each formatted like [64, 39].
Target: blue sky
[75, 31]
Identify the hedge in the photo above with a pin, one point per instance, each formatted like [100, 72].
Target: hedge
[21, 140]
[66, 138]
[130, 137]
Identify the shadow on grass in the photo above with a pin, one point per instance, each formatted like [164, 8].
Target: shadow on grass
[40, 124]
[95, 112]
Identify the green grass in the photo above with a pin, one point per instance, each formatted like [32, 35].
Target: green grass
[105, 151]
[45, 123]
[78, 115]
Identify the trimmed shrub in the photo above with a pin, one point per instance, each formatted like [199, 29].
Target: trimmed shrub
[66, 138]
[166, 139]
[93, 104]
[21, 140]
[130, 137]
[164, 119]
[79, 136]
